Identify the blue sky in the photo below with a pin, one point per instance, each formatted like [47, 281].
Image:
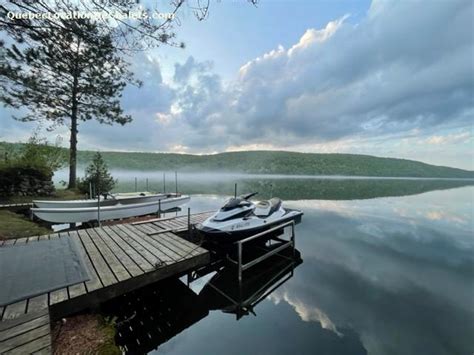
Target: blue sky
[385, 78]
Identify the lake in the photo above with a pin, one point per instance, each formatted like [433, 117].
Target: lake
[387, 268]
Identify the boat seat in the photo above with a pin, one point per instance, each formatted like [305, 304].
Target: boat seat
[266, 208]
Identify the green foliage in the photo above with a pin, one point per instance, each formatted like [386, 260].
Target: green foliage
[40, 154]
[23, 168]
[37, 154]
[98, 175]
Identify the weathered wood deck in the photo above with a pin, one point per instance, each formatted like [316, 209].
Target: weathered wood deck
[26, 335]
[120, 258]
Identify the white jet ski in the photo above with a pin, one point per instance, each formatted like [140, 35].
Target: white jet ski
[240, 218]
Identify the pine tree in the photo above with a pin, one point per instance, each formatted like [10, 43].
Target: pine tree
[70, 77]
[97, 174]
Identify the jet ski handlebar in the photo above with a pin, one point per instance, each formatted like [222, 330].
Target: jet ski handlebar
[247, 196]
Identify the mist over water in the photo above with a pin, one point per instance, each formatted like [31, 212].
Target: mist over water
[288, 187]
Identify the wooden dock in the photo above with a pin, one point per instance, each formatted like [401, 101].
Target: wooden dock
[29, 334]
[120, 258]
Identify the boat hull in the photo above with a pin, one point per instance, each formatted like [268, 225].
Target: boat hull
[119, 211]
[111, 201]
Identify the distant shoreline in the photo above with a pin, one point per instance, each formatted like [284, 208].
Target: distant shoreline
[273, 163]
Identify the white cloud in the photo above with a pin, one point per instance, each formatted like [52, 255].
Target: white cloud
[345, 87]
[344, 84]
[313, 35]
[449, 138]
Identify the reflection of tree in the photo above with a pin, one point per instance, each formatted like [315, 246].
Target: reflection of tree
[325, 189]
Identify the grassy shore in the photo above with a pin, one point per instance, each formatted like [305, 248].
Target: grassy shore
[14, 225]
[17, 225]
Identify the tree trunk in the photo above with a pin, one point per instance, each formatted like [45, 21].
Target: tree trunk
[73, 139]
[73, 152]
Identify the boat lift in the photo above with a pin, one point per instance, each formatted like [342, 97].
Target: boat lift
[284, 244]
[273, 234]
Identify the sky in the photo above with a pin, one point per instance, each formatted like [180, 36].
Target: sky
[384, 78]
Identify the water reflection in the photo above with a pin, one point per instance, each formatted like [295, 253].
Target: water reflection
[224, 292]
[289, 188]
[148, 317]
[389, 275]
[284, 186]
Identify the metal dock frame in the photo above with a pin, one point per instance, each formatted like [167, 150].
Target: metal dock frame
[290, 243]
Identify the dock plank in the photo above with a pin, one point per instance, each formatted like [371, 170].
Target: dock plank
[100, 265]
[23, 327]
[28, 342]
[168, 247]
[60, 295]
[123, 241]
[94, 283]
[124, 258]
[140, 237]
[14, 310]
[165, 248]
[151, 227]
[146, 252]
[113, 262]
[77, 290]
[187, 248]
[38, 303]
[144, 228]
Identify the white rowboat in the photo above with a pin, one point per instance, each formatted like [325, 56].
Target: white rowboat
[117, 211]
[111, 200]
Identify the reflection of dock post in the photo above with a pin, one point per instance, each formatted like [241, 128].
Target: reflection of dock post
[146, 184]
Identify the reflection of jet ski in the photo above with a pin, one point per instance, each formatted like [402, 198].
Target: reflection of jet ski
[224, 292]
[240, 218]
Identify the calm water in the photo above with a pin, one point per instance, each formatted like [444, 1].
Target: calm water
[388, 268]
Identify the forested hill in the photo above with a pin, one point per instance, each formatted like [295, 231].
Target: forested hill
[273, 162]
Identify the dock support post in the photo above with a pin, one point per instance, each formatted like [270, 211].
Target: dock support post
[176, 181]
[293, 238]
[239, 247]
[98, 210]
[189, 221]
[90, 190]
[158, 213]
[164, 182]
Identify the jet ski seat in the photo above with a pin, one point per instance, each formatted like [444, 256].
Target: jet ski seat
[266, 208]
